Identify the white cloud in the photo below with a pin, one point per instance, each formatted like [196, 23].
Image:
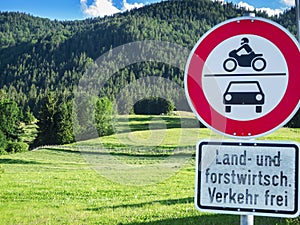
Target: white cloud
[288, 2]
[98, 8]
[127, 6]
[269, 11]
[105, 8]
[246, 6]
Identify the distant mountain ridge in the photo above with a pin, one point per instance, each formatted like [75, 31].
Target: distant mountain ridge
[39, 55]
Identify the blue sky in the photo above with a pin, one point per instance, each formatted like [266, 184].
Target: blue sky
[80, 9]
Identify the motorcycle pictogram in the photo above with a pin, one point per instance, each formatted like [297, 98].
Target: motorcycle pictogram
[251, 59]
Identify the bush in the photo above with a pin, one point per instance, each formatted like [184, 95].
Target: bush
[15, 147]
[153, 106]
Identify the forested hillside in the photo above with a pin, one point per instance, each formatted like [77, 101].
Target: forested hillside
[39, 56]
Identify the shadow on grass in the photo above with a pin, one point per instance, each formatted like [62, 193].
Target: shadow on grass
[18, 161]
[142, 204]
[212, 219]
[63, 150]
[193, 220]
[202, 218]
[142, 123]
[132, 154]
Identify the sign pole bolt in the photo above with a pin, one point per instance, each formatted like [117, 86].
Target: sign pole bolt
[247, 220]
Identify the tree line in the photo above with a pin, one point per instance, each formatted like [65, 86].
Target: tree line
[43, 61]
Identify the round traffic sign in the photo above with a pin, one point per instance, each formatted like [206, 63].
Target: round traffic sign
[242, 77]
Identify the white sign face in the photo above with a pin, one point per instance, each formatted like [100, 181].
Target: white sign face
[257, 178]
[245, 77]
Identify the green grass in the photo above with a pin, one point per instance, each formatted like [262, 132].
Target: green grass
[61, 186]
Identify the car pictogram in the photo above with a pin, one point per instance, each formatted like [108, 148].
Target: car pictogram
[244, 93]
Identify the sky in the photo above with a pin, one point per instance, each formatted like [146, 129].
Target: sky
[81, 9]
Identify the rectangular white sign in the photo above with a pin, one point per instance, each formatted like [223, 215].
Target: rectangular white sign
[248, 177]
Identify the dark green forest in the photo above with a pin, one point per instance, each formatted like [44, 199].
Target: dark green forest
[42, 61]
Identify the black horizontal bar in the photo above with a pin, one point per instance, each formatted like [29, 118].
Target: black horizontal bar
[244, 74]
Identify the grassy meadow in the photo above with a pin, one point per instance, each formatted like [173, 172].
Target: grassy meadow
[143, 175]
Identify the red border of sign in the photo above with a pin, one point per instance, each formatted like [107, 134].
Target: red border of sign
[281, 114]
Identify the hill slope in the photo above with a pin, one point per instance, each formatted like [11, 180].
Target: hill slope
[38, 55]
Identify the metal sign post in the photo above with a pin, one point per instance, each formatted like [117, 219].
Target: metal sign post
[247, 220]
[231, 95]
